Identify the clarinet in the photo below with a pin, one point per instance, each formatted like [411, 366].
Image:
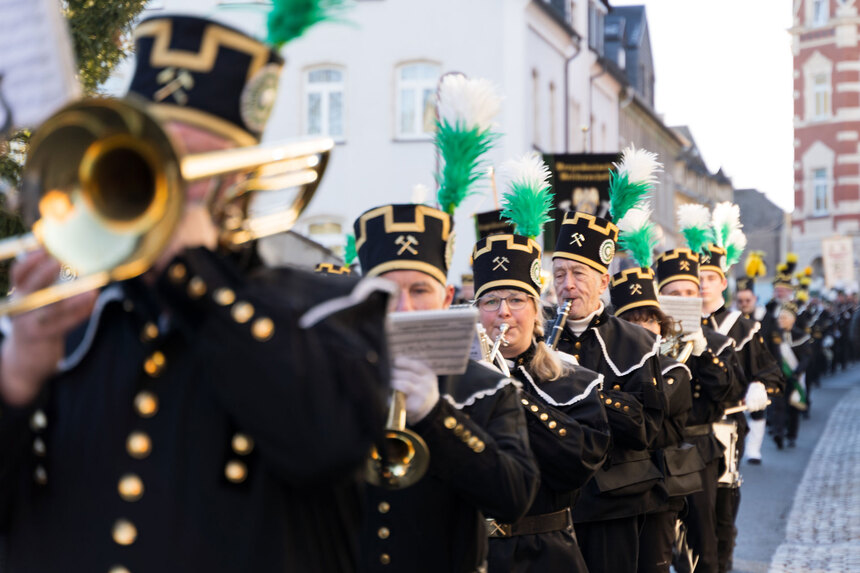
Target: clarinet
[560, 319]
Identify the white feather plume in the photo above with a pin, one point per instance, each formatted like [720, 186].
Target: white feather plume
[528, 170]
[692, 215]
[725, 219]
[634, 220]
[738, 239]
[639, 165]
[419, 193]
[471, 101]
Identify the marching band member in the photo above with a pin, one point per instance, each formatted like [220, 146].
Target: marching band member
[200, 423]
[609, 515]
[715, 375]
[635, 300]
[791, 347]
[567, 425]
[762, 374]
[473, 424]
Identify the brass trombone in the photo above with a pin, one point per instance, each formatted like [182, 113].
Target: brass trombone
[104, 188]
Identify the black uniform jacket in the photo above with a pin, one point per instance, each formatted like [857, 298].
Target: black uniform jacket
[801, 347]
[678, 460]
[569, 435]
[199, 427]
[757, 362]
[480, 465]
[627, 357]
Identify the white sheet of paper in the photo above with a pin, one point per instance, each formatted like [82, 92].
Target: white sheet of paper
[37, 66]
[686, 310]
[440, 338]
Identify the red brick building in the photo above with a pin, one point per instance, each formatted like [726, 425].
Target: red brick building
[826, 47]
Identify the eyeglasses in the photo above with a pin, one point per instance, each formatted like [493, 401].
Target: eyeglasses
[493, 302]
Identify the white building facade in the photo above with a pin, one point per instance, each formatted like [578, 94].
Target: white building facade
[370, 81]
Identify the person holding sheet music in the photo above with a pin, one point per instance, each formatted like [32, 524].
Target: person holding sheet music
[567, 424]
[715, 376]
[473, 424]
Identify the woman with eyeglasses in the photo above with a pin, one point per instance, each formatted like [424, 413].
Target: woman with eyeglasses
[566, 421]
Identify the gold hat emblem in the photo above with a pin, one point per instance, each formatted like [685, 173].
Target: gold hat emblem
[500, 263]
[635, 288]
[577, 238]
[175, 81]
[406, 243]
[685, 265]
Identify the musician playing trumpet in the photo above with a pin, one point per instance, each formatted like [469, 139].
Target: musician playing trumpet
[567, 425]
[473, 424]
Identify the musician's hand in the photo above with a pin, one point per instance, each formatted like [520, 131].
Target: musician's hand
[756, 398]
[420, 385]
[698, 340]
[30, 353]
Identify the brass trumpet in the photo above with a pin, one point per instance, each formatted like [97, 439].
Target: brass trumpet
[104, 189]
[675, 347]
[490, 348]
[405, 456]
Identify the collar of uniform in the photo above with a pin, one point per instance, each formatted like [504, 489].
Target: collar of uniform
[587, 322]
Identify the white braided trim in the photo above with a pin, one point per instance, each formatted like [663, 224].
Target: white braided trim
[596, 383]
[482, 394]
[654, 350]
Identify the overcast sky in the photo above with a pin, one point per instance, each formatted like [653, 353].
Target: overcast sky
[724, 68]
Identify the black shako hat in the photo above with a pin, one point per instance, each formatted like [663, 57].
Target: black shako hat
[405, 238]
[677, 265]
[713, 259]
[586, 239]
[332, 269]
[745, 283]
[206, 74]
[507, 261]
[633, 288]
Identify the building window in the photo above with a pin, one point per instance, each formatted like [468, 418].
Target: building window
[324, 103]
[821, 93]
[595, 27]
[416, 100]
[820, 190]
[820, 13]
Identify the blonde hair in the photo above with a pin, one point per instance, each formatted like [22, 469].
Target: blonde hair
[545, 362]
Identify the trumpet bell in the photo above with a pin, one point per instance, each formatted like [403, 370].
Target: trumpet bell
[404, 461]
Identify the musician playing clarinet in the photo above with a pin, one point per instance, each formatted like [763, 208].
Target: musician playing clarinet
[567, 425]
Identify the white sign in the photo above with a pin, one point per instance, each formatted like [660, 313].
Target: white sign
[37, 66]
[837, 255]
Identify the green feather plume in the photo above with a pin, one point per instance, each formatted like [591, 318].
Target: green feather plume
[638, 235]
[349, 252]
[289, 19]
[697, 238]
[632, 180]
[461, 150]
[529, 200]
[694, 221]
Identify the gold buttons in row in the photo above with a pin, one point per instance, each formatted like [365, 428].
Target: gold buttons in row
[146, 404]
[138, 444]
[124, 532]
[154, 365]
[236, 471]
[130, 487]
[242, 444]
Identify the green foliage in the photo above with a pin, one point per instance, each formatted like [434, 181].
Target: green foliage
[527, 208]
[640, 244]
[289, 19]
[461, 150]
[99, 29]
[625, 194]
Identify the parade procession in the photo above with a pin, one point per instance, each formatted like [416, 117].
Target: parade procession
[490, 338]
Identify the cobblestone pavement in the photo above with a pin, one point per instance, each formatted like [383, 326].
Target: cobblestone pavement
[823, 529]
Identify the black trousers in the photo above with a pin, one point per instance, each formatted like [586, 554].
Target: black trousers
[610, 546]
[655, 542]
[728, 503]
[701, 520]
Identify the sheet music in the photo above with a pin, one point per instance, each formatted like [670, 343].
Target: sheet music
[686, 310]
[441, 338]
[37, 66]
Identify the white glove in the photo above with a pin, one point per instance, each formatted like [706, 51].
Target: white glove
[420, 385]
[756, 398]
[698, 340]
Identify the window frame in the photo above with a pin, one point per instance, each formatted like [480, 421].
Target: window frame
[325, 90]
[419, 86]
[820, 184]
[819, 19]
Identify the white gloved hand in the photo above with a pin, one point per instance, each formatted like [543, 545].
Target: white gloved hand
[756, 398]
[698, 340]
[419, 383]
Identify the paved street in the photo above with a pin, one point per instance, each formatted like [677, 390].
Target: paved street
[800, 509]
